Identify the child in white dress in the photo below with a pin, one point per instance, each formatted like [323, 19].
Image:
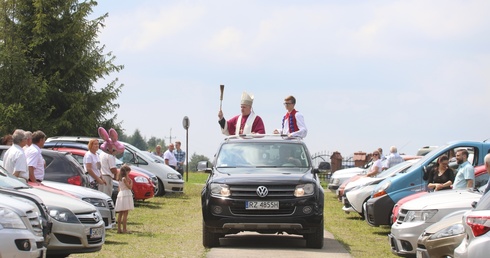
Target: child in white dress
[124, 201]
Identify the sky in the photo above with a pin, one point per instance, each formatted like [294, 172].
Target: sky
[365, 74]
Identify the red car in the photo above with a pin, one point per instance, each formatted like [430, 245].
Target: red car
[142, 186]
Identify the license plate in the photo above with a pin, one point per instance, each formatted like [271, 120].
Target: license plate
[262, 205]
[96, 232]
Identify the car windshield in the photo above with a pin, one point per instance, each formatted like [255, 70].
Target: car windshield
[260, 154]
[398, 168]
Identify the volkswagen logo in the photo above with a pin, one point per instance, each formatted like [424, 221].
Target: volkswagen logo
[262, 191]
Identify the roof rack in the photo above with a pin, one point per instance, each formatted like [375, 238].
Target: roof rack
[255, 136]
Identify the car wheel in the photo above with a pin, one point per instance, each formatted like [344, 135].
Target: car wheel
[161, 189]
[315, 240]
[209, 239]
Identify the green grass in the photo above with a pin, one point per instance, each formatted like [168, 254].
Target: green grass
[360, 239]
[170, 226]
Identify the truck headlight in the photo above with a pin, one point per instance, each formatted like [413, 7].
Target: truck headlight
[220, 190]
[304, 190]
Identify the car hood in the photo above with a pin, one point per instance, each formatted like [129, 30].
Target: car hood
[363, 181]
[51, 199]
[347, 171]
[445, 222]
[78, 191]
[442, 200]
[262, 178]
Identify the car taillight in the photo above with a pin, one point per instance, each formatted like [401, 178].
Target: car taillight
[75, 180]
[479, 225]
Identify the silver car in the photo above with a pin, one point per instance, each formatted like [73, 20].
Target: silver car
[100, 200]
[418, 214]
[477, 227]
[77, 225]
[20, 223]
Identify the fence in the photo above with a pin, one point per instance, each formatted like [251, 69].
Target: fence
[336, 162]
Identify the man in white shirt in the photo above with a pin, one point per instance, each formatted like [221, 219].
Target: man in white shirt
[169, 156]
[35, 161]
[14, 160]
[108, 170]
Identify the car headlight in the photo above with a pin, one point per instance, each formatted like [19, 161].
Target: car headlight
[173, 176]
[10, 219]
[423, 215]
[95, 202]
[62, 214]
[220, 190]
[335, 181]
[141, 180]
[452, 230]
[304, 190]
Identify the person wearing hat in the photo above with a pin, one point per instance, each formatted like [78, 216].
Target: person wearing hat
[245, 123]
[293, 123]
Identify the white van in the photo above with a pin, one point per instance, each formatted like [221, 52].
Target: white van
[169, 180]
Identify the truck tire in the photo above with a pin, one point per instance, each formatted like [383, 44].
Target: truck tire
[209, 239]
[315, 240]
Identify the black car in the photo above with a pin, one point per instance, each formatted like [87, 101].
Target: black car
[64, 168]
[265, 184]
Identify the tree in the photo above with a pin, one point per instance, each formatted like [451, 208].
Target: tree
[195, 159]
[50, 53]
[137, 140]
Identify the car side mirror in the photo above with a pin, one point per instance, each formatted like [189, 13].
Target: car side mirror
[203, 166]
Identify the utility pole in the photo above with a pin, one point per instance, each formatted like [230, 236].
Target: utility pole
[170, 137]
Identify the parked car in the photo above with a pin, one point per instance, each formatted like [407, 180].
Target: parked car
[350, 181]
[477, 231]
[481, 178]
[416, 215]
[100, 200]
[392, 189]
[441, 238]
[77, 225]
[143, 187]
[169, 180]
[359, 192]
[250, 189]
[19, 223]
[60, 167]
[339, 176]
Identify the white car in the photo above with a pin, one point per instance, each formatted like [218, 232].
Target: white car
[100, 200]
[477, 227]
[418, 214]
[358, 192]
[20, 224]
[339, 176]
[77, 225]
[169, 180]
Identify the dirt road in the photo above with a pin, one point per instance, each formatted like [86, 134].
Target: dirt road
[251, 244]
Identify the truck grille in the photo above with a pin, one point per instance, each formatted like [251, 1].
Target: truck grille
[275, 191]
